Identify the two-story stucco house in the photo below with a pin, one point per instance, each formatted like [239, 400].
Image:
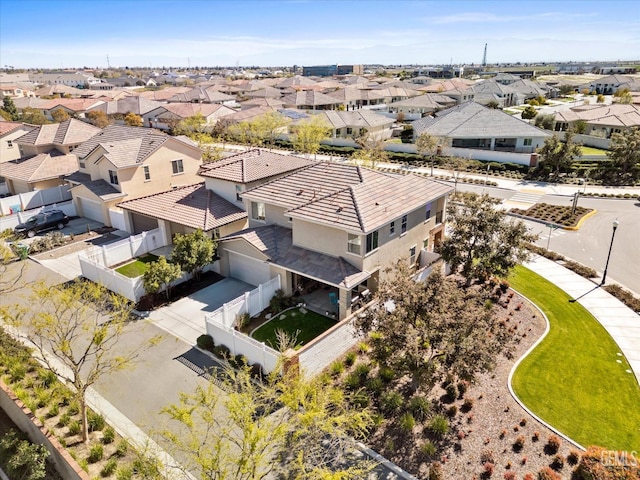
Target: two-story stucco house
[9, 133]
[129, 162]
[337, 226]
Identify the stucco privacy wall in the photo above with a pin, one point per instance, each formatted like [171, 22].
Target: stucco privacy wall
[26, 421]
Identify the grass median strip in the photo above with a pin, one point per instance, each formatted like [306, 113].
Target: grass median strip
[575, 379]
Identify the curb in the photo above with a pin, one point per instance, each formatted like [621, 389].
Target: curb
[582, 220]
[515, 366]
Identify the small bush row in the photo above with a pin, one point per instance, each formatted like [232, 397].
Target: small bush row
[223, 352]
[582, 270]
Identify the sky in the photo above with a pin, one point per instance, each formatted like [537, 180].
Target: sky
[209, 33]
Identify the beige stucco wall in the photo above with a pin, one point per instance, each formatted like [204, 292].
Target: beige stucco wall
[323, 239]
[83, 192]
[233, 227]
[17, 186]
[10, 153]
[21, 186]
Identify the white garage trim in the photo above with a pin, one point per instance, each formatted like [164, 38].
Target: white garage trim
[248, 269]
[91, 209]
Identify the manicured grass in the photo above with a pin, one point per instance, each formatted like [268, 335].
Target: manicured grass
[592, 151]
[572, 380]
[137, 267]
[310, 325]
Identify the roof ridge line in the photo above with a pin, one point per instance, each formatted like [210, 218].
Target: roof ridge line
[355, 205]
[165, 191]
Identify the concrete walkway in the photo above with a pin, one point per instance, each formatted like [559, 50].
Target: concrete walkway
[622, 323]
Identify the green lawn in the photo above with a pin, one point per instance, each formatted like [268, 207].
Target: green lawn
[310, 325]
[137, 267]
[572, 379]
[592, 151]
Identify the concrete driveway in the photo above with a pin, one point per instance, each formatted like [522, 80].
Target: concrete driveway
[185, 318]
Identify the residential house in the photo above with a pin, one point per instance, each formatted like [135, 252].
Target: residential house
[358, 123]
[214, 206]
[474, 126]
[63, 137]
[77, 79]
[118, 109]
[164, 117]
[489, 91]
[15, 91]
[612, 83]
[336, 227]
[417, 107]
[9, 132]
[310, 100]
[203, 95]
[129, 162]
[42, 171]
[460, 95]
[600, 120]
[74, 107]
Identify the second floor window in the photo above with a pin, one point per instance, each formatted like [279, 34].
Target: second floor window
[412, 255]
[392, 228]
[353, 244]
[258, 211]
[427, 214]
[239, 190]
[147, 173]
[372, 241]
[113, 177]
[403, 225]
[9, 144]
[177, 167]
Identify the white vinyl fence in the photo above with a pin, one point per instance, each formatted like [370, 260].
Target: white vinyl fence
[31, 200]
[10, 221]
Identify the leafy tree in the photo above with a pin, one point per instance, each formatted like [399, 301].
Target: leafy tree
[24, 460]
[482, 243]
[33, 116]
[529, 112]
[98, 118]
[623, 96]
[245, 133]
[284, 426]
[426, 145]
[190, 125]
[133, 120]
[624, 152]
[559, 155]
[5, 116]
[77, 331]
[59, 115]
[600, 98]
[193, 251]
[566, 90]
[580, 127]
[159, 275]
[493, 104]
[10, 107]
[371, 150]
[545, 121]
[308, 134]
[268, 126]
[429, 329]
[10, 272]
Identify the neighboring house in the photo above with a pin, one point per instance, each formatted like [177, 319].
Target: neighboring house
[612, 83]
[46, 170]
[78, 79]
[164, 117]
[75, 107]
[600, 120]
[460, 95]
[163, 94]
[354, 97]
[63, 137]
[129, 162]
[9, 133]
[131, 104]
[60, 90]
[421, 105]
[15, 91]
[203, 95]
[357, 123]
[310, 100]
[489, 91]
[471, 125]
[337, 225]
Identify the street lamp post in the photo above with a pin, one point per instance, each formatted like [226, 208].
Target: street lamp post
[615, 226]
[486, 176]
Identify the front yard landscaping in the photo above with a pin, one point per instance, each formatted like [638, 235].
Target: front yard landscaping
[577, 379]
[299, 321]
[137, 267]
[556, 214]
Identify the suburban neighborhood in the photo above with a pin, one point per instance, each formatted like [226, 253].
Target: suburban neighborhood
[320, 270]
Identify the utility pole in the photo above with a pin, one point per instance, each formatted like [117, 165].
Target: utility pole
[484, 57]
[575, 202]
[108, 64]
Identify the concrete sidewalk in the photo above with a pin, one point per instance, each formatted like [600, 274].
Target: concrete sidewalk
[622, 323]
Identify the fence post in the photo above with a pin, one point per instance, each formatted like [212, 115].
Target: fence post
[105, 258]
[131, 245]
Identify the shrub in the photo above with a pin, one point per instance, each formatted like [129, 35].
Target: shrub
[452, 392]
[256, 371]
[439, 425]
[108, 435]
[47, 377]
[95, 421]
[121, 449]
[73, 409]
[487, 456]
[124, 473]
[509, 476]
[580, 269]
[96, 452]
[467, 405]
[221, 351]
[74, 427]
[109, 468]
[53, 410]
[353, 381]
[278, 302]
[205, 342]
[547, 474]
[375, 385]
[536, 436]
[350, 359]
[624, 296]
[363, 347]
[361, 400]
[558, 463]
[435, 471]
[419, 407]
[553, 445]
[452, 411]
[488, 469]
[336, 368]
[428, 448]
[386, 374]
[591, 466]
[391, 402]
[518, 444]
[463, 386]
[64, 420]
[363, 369]
[574, 457]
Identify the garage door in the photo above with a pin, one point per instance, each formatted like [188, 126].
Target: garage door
[142, 223]
[249, 270]
[91, 209]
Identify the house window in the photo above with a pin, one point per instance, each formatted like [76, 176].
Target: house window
[9, 144]
[113, 177]
[528, 142]
[425, 243]
[392, 229]
[353, 244]
[403, 225]
[427, 214]
[258, 211]
[349, 130]
[239, 190]
[412, 256]
[372, 241]
[147, 173]
[177, 167]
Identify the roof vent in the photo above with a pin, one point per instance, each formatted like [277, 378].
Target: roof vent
[377, 204]
[339, 210]
[300, 192]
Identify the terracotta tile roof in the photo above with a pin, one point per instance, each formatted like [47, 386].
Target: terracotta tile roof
[74, 104]
[309, 98]
[186, 110]
[193, 206]
[69, 132]
[8, 127]
[349, 197]
[41, 167]
[29, 102]
[249, 113]
[276, 243]
[164, 94]
[253, 165]
[356, 118]
[145, 140]
[199, 94]
[428, 100]
[624, 115]
[262, 102]
[132, 103]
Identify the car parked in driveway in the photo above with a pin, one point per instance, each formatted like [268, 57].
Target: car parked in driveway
[41, 222]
